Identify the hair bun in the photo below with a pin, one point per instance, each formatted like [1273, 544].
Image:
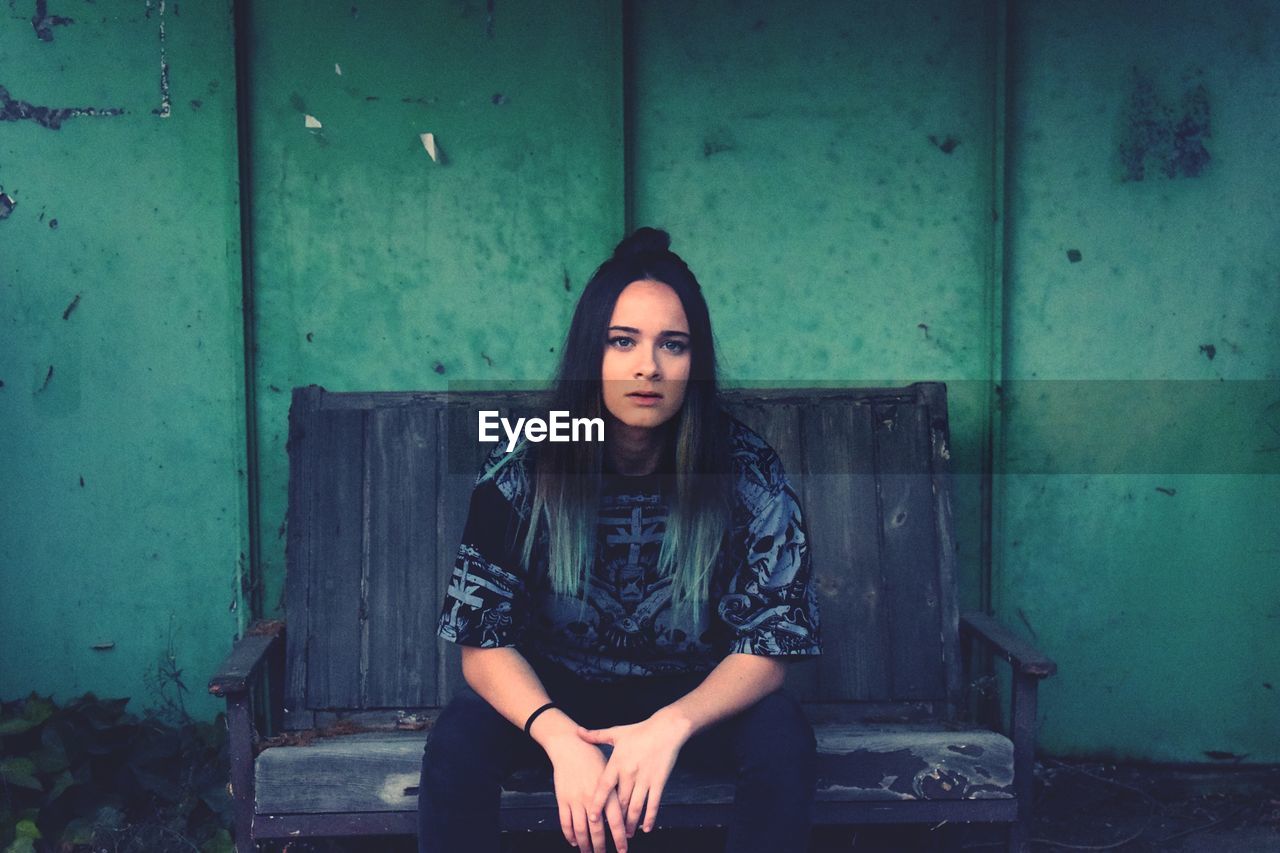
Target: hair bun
[643, 241]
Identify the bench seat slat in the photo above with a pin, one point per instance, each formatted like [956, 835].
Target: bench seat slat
[378, 771]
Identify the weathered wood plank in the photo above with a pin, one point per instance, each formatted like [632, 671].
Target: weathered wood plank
[909, 549]
[247, 654]
[379, 772]
[841, 503]
[400, 624]
[933, 397]
[300, 553]
[338, 535]
[826, 812]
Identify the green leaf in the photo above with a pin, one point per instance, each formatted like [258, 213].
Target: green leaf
[16, 726]
[21, 845]
[20, 773]
[63, 781]
[220, 843]
[108, 817]
[28, 829]
[77, 831]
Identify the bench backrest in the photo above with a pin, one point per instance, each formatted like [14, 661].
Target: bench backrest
[378, 491]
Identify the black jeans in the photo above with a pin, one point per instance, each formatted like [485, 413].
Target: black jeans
[472, 748]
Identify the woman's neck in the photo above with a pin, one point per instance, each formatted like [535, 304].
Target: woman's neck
[633, 451]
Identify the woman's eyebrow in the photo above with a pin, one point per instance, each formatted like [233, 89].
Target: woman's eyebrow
[634, 331]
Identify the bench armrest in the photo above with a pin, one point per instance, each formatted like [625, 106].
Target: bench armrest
[245, 658]
[1025, 658]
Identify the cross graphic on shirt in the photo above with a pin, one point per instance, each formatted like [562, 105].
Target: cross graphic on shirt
[459, 589]
[635, 537]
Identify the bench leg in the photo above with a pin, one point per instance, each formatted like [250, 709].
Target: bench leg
[1024, 758]
[240, 746]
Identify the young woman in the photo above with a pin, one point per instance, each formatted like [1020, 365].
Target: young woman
[640, 593]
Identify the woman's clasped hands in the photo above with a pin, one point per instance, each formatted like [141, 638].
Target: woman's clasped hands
[627, 788]
[644, 755]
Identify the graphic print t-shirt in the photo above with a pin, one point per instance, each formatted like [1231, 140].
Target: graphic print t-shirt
[760, 598]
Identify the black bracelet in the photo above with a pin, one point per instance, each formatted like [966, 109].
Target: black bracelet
[528, 723]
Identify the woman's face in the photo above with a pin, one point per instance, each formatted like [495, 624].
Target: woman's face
[646, 357]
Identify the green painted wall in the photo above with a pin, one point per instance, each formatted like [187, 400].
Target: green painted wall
[835, 174]
[1143, 137]
[376, 267]
[123, 512]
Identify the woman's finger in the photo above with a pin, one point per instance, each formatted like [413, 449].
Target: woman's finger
[566, 823]
[651, 813]
[635, 808]
[596, 736]
[608, 779]
[581, 835]
[613, 812]
[596, 824]
[626, 786]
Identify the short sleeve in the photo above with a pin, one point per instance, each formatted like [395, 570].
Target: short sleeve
[486, 604]
[769, 605]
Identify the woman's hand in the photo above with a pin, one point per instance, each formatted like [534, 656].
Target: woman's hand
[643, 755]
[577, 766]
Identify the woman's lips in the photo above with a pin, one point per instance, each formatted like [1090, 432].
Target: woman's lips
[644, 399]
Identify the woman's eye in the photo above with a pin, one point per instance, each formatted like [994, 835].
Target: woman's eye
[676, 346]
[621, 342]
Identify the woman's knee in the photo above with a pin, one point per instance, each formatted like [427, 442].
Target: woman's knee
[468, 737]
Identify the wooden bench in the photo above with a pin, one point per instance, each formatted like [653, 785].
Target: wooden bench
[378, 493]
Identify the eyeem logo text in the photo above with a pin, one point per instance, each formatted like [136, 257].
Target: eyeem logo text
[558, 427]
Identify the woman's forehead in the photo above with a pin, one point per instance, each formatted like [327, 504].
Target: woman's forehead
[649, 305]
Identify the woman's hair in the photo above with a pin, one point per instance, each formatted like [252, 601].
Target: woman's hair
[567, 476]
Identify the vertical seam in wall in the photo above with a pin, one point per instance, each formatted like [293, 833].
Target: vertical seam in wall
[628, 115]
[240, 25]
[997, 288]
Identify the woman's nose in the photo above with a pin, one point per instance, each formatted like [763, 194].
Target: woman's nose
[646, 364]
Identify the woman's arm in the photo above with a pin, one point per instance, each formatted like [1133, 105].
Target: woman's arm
[645, 753]
[738, 682]
[504, 679]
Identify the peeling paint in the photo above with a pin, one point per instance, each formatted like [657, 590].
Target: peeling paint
[429, 143]
[74, 302]
[165, 110]
[1209, 349]
[47, 377]
[43, 23]
[7, 204]
[1156, 135]
[1074, 256]
[11, 109]
[53, 225]
[438, 368]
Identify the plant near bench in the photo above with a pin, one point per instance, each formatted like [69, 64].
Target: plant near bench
[88, 775]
